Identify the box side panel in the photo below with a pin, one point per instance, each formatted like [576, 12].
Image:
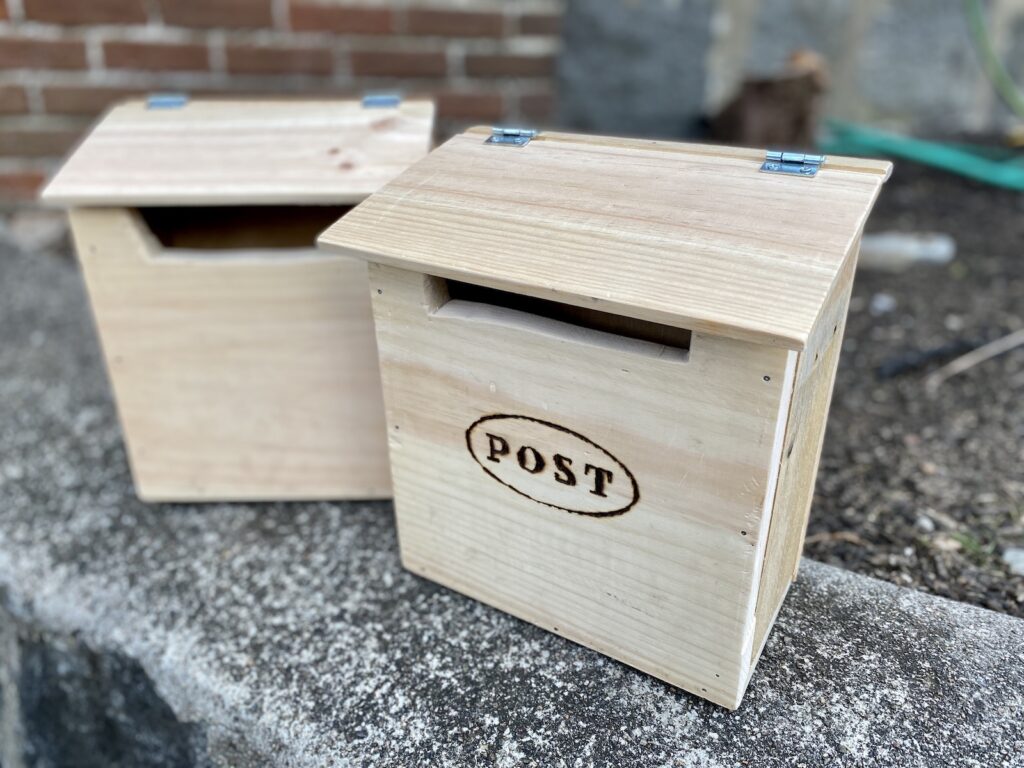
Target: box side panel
[805, 434]
[494, 418]
[237, 374]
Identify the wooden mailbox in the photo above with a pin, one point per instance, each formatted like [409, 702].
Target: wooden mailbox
[242, 360]
[607, 365]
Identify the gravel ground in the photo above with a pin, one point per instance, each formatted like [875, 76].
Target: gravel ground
[929, 491]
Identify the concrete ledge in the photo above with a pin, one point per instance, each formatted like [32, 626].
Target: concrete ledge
[288, 635]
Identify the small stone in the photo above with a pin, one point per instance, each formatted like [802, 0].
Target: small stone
[946, 543]
[925, 523]
[1014, 558]
[928, 468]
[882, 304]
[954, 323]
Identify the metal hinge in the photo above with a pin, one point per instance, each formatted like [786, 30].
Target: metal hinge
[792, 162]
[166, 100]
[512, 137]
[382, 100]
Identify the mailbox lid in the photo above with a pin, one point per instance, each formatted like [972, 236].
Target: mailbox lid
[242, 151]
[690, 235]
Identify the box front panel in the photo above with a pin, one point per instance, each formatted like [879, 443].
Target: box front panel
[608, 490]
[238, 374]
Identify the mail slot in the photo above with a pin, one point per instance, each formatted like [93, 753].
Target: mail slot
[607, 365]
[242, 359]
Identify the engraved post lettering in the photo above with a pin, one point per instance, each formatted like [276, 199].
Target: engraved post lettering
[498, 447]
[546, 465]
[534, 464]
[563, 472]
[601, 476]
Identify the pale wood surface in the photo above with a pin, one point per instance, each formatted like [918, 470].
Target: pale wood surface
[222, 152]
[237, 374]
[670, 585]
[798, 470]
[682, 234]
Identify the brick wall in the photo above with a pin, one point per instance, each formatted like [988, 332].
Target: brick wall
[63, 61]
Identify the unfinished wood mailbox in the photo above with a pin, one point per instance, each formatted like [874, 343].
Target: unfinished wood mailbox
[607, 365]
[242, 360]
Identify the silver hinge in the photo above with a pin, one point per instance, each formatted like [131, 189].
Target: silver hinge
[382, 100]
[166, 100]
[512, 137]
[792, 162]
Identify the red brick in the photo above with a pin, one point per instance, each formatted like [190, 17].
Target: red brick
[36, 142]
[156, 56]
[509, 65]
[24, 53]
[4, 15]
[342, 19]
[86, 11]
[427, 21]
[263, 60]
[538, 106]
[470, 105]
[17, 186]
[13, 100]
[218, 13]
[82, 100]
[540, 24]
[399, 64]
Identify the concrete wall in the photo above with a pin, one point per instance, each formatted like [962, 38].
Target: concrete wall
[661, 64]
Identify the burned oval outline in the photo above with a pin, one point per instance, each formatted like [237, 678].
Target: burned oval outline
[550, 425]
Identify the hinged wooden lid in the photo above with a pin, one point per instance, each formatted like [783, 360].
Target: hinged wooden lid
[683, 234]
[229, 152]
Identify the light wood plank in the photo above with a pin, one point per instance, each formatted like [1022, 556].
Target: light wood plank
[224, 152]
[798, 469]
[237, 374]
[666, 586]
[679, 234]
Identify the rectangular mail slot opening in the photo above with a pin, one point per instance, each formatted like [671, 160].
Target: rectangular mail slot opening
[240, 227]
[554, 318]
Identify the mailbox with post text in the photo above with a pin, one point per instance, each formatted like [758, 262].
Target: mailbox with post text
[607, 365]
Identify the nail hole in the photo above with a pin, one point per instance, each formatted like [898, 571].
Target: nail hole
[380, 291]
[767, 378]
[743, 532]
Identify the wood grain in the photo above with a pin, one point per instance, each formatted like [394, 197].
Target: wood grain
[679, 234]
[667, 586]
[238, 374]
[224, 152]
[805, 434]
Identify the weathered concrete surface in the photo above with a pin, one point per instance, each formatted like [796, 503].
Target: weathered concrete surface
[250, 635]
